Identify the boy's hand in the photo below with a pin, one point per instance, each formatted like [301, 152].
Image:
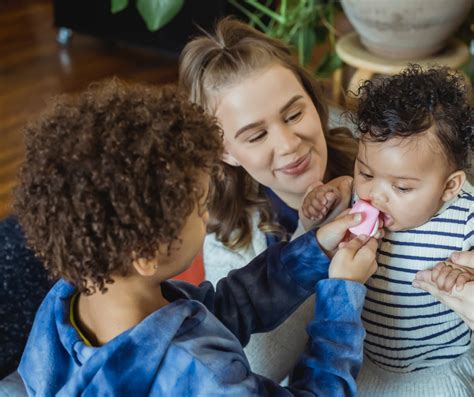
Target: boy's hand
[323, 202]
[355, 260]
[446, 275]
[330, 235]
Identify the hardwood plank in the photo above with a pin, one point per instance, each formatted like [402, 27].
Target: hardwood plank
[33, 67]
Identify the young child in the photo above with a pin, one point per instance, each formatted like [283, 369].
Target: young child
[112, 197]
[415, 132]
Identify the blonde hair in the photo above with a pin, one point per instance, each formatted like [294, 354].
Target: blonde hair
[211, 62]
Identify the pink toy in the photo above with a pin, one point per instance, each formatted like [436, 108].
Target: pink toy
[370, 219]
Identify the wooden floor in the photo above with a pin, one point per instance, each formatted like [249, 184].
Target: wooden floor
[33, 66]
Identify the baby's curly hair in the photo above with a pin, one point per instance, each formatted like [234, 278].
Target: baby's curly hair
[111, 171]
[415, 100]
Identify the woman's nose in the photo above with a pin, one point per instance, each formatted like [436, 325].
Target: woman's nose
[288, 141]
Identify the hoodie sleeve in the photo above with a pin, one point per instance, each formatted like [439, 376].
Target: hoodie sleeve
[327, 369]
[261, 295]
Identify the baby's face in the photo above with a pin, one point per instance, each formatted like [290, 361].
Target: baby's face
[403, 177]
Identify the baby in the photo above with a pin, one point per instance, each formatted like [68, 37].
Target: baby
[415, 132]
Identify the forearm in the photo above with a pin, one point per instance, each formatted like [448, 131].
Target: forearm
[260, 296]
[331, 364]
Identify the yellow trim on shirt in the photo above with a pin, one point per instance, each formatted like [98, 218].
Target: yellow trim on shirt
[73, 322]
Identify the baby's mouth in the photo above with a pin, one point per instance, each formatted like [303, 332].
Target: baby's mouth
[387, 219]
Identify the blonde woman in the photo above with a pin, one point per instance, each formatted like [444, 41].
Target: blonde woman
[277, 144]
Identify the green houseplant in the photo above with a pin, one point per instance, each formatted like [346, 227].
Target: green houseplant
[303, 24]
[155, 13]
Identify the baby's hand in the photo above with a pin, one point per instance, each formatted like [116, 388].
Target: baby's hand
[446, 275]
[317, 203]
[355, 260]
[325, 201]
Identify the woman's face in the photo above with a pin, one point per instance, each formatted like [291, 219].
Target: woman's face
[273, 130]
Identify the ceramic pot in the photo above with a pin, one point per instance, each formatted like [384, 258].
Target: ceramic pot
[406, 29]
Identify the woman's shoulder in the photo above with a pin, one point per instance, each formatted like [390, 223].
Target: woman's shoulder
[219, 259]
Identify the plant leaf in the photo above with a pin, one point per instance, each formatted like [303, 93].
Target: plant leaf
[309, 42]
[328, 64]
[118, 5]
[157, 13]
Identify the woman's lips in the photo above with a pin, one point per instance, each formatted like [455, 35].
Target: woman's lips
[298, 166]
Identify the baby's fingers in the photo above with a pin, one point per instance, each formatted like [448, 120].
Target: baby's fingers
[462, 280]
[450, 280]
[436, 271]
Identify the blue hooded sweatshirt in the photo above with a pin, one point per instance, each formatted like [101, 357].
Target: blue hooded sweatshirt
[193, 345]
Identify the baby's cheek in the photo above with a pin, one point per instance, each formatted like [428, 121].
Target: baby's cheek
[360, 190]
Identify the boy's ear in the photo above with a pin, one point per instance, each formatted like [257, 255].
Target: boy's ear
[145, 267]
[229, 159]
[453, 185]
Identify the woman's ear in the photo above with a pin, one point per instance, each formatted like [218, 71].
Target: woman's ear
[453, 185]
[145, 267]
[229, 159]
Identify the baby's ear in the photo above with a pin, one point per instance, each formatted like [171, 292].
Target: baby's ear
[453, 185]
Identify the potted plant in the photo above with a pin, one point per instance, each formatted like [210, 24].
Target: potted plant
[155, 13]
[304, 24]
[406, 29]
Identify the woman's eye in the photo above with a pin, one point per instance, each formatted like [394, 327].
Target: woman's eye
[365, 176]
[293, 117]
[257, 136]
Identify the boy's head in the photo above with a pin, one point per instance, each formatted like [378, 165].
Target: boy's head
[111, 177]
[416, 130]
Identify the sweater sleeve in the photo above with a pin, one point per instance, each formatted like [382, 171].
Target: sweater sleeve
[261, 295]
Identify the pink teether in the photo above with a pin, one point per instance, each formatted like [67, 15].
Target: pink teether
[370, 219]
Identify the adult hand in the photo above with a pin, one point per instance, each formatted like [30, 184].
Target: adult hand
[355, 260]
[461, 301]
[465, 258]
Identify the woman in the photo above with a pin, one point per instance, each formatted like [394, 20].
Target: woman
[274, 123]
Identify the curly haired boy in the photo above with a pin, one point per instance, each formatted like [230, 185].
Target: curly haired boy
[112, 197]
[415, 130]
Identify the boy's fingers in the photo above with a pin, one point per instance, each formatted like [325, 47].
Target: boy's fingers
[340, 225]
[368, 250]
[356, 243]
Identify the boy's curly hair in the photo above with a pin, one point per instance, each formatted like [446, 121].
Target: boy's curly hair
[111, 171]
[415, 100]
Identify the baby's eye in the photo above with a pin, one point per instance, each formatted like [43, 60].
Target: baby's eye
[293, 117]
[258, 136]
[365, 176]
[403, 189]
